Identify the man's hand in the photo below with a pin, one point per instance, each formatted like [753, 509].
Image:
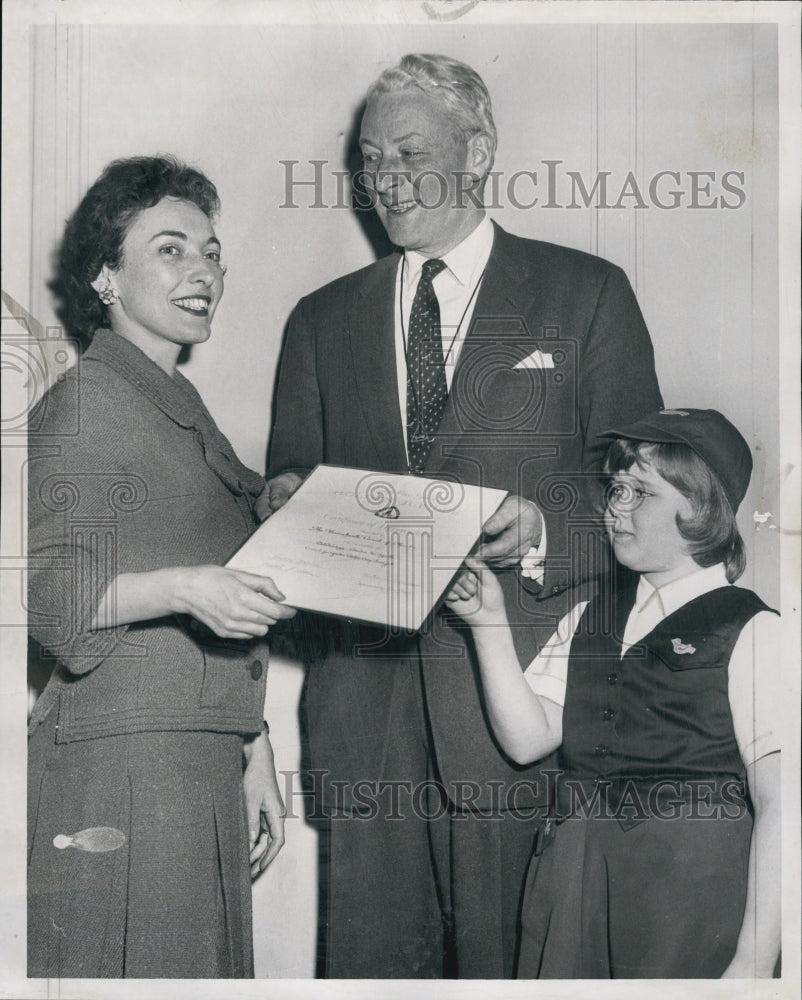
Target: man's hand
[513, 530]
[276, 493]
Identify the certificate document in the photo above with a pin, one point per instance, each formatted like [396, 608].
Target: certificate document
[367, 545]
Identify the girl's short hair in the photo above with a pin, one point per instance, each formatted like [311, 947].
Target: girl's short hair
[711, 531]
[95, 233]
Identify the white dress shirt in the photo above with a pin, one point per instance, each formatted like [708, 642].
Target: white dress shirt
[753, 689]
[457, 289]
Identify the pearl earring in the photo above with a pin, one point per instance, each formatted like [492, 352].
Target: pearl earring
[107, 295]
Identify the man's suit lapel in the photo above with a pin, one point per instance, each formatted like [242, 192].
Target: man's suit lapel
[503, 304]
[505, 298]
[371, 334]
[507, 286]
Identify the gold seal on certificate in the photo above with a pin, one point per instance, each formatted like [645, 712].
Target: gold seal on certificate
[369, 545]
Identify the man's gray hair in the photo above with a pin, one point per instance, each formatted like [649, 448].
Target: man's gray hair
[459, 88]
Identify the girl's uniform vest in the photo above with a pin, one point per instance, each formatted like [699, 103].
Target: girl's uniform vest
[660, 714]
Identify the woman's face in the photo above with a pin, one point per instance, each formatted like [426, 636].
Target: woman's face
[170, 279]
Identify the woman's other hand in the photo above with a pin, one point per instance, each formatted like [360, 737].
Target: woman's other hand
[263, 803]
[276, 493]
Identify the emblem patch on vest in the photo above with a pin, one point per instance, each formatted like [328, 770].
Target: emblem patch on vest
[680, 648]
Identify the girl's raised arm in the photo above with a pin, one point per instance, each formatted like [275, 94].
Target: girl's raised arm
[528, 726]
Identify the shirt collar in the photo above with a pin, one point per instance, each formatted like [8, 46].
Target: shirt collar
[672, 596]
[465, 261]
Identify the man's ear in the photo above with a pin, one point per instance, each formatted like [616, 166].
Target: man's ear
[480, 155]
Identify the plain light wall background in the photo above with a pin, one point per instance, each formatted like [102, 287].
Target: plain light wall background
[235, 101]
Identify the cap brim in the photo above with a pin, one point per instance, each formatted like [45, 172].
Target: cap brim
[644, 431]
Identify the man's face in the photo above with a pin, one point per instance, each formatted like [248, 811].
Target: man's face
[424, 174]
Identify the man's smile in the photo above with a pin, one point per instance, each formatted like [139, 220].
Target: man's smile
[399, 208]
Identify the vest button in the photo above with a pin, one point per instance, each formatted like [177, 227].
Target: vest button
[255, 668]
[600, 750]
[612, 679]
[608, 713]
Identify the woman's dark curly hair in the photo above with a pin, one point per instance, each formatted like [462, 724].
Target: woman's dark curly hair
[95, 233]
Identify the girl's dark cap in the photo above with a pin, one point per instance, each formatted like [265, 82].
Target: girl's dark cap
[707, 432]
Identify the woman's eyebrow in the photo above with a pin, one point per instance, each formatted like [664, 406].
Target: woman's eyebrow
[181, 236]
[168, 232]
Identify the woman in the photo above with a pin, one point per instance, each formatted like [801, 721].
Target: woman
[140, 815]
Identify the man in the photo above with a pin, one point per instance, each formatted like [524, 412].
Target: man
[478, 357]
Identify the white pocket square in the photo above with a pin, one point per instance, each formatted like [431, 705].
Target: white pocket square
[537, 359]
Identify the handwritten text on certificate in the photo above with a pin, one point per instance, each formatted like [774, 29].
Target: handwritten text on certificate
[367, 545]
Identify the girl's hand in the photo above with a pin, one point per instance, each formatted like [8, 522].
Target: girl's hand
[476, 595]
[760, 938]
[463, 597]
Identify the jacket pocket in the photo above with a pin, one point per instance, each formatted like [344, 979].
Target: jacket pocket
[234, 674]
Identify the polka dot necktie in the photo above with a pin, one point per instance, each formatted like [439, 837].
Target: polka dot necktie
[427, 390]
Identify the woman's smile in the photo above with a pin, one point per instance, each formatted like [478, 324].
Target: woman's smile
[198, 305]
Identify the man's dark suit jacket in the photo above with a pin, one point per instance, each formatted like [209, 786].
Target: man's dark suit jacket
[532, 432]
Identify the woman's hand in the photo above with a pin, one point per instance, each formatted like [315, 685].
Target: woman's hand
[276, 493]
[232, 603]
[476, 595]
[263, 803]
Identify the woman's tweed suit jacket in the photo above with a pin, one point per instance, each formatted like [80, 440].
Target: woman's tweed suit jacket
[128, 472]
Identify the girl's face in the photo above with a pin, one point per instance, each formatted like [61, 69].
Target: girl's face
[641, 522]
[170, 280]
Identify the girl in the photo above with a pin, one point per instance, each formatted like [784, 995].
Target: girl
[656, 862]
